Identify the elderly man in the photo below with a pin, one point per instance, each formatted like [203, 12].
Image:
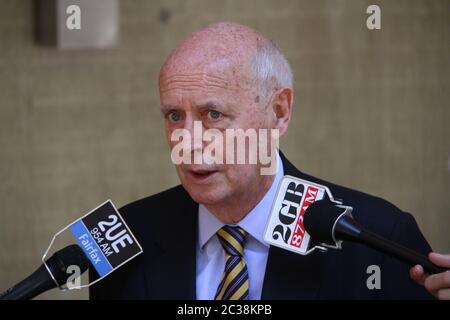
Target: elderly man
[204, 238]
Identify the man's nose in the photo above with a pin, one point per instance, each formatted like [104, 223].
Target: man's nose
[195, 128]
[189, 122]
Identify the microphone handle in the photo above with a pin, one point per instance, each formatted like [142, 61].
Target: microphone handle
[38, 282]
[398, 251]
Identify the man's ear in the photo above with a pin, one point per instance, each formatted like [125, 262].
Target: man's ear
[282, 109]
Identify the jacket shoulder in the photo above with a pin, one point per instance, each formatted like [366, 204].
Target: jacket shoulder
[384, 218]
[152, 214]
[155, 221]
[374, 212]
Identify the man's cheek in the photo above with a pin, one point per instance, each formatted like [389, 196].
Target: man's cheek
[169, 138]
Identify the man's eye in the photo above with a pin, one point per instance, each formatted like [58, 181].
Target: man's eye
[174, 116]
[214, 115]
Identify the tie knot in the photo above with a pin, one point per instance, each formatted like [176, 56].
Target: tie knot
[232, 240]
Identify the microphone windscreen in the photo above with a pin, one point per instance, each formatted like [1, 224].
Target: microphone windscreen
[319, 220]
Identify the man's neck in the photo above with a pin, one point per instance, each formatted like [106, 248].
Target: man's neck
[234, 210]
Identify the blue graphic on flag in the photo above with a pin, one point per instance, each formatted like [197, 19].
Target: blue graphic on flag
[91, 248]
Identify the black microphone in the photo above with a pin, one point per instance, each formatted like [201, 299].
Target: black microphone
[41, 280]
[328, 223]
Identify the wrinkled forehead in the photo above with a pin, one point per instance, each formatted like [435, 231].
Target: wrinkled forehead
[214, 60]
[212, 52]
[219, 77]
[221, 73]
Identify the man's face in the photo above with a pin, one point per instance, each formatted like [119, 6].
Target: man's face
[220, 100]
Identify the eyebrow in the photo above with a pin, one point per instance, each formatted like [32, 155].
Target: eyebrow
[210, 105]
[166, 108]
[204, 106]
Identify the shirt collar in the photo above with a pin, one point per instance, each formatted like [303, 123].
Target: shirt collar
[254, 222]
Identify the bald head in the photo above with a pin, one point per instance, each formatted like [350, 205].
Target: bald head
[229, 48]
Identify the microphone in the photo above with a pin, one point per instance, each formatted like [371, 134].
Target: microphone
[329, 223]
[56, 275]
[105, 243]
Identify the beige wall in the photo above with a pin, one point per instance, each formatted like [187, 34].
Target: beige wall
[77, 127]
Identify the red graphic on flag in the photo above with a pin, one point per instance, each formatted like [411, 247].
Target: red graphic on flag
[299, 232]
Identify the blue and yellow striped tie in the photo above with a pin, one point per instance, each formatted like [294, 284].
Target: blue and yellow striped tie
[234, 284]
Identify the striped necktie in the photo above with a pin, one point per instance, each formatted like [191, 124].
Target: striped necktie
[234, 284]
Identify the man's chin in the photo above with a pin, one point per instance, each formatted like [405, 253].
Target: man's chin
[205, 195]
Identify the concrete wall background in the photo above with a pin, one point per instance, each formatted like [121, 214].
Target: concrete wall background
[78, 127]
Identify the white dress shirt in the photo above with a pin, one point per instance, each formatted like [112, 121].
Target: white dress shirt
[211, 255]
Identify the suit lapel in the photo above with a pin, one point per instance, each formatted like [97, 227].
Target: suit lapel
[171, 274]
[290, 275]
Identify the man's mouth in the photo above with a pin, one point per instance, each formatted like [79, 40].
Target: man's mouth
[202, 175]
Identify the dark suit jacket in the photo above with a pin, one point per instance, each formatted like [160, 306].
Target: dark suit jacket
[166, 226]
